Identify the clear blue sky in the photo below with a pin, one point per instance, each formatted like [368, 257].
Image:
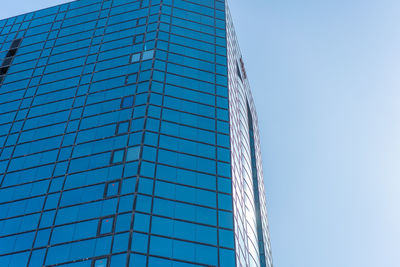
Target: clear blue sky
[326, 80]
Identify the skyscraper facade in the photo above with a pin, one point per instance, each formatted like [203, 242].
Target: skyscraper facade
[128, 137]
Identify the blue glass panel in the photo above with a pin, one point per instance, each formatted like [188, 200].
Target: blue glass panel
[101, 262]
[112, 189]
[118, 156]
[118, 260]
[137, 260]
[127, 102]
[139, 242]
[106, 225]
[133, 153]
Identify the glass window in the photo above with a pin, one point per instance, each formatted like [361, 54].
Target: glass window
[141, 99]
[128, 186]
[139, 242]
[141, 21]
[125, 204]
[123, 222]
[118, 260]
[123, 127]
[226, 238]
[132, 78]
[141, 222]
[227, 257]
[42, 238]
[137, 260]
[101, 262]
[147, 169]
[145, 186]
[118, 156]
[224, 185]
[127, 102]
[150, 138]
[225, 202]
[143, 203]
[161, 246]
[154, 262]
[112, 188]
[106, 225]
[184, 211]
[121, 242]
[133, 153]
[138, 38]
[148, 55]
[135, 57]
[36, 258]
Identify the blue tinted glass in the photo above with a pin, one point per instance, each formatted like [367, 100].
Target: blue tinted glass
[102, 145]
[139, 38]
[118, 260]
[106, 225]
[123, 222]
[101, 263]
[137, 260]
[133, 153]
[141, 222]
[139, 242]
[148, 55]
[123, 127]
[112, 189]
[135, 57]
[120, 242]
[127, 102]
[118, 156]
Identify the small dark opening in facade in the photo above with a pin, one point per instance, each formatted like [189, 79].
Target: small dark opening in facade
[15, 44]
[11, 53]
[7, 61]
[238, 72]
[9, 58]
[3, 70]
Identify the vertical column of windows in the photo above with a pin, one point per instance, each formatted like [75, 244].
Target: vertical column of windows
[218, 196]
[68, 144]
[26, 93]
[28, 96]
[37, 63]
[145, 56]
[161, 153]
[53, 194]
[227, 255]
[112, 225]
[9, 58]
[12, 33]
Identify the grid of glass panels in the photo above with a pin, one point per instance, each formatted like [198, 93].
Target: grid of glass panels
[252, 241]
[114, 134]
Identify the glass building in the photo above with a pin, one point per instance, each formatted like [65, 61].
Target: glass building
[128, 137]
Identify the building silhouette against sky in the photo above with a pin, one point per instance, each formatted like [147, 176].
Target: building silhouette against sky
[128, 137]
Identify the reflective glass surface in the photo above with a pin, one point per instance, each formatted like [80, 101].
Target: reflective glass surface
[117, 137]
[252, 242]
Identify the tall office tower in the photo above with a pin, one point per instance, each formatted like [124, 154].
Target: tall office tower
[128, 137]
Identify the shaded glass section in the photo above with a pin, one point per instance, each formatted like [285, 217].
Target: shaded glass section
[256, 191]
[252, 245]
